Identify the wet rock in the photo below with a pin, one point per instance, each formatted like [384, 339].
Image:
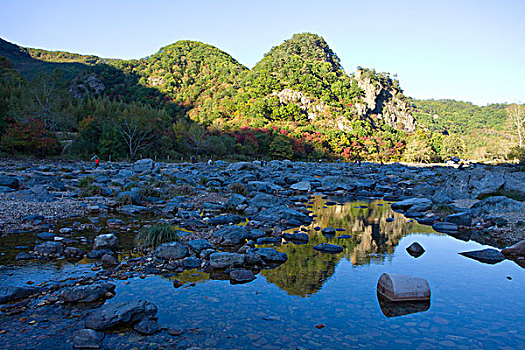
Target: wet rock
[460, 219]
[147, 326]
[143, 165]
[11, 293]
[109, 260]
[50, 248]
[24, 256]
[74, 253]
[98, 253]
[488, 256]
[497, 204]
[197, 245]
[119, 314]
[9, 181]
[87, 294]
[329, 231]
[205, 253]
[517, 250]
[338, 183]
[282, 213]
[133, 210]
[225, 219]
[87, 339]
[328, 248]
[415, 249]
[413, 204]
[191, 262]
[251, 258]
[106, 241]
[129, 197]
[223, 259]
[397, 287]
[271, 255]
[171, 251]
[268, 240]
[50, 182]
[231, 235]
[235, 200]
[445, 227]
[299, 236]
[302, 186]
[241, 276]
[255, 234]
[263, 200]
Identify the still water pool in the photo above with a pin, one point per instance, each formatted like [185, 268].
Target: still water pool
[329, 301]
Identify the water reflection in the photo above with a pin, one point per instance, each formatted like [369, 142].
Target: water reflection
[375, 232]
[394, 309]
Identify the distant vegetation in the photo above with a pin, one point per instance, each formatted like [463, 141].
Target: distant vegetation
[192, 99]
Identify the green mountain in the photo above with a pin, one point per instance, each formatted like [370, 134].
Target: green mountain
[296, 102]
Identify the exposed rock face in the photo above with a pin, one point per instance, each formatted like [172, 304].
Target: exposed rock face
[86, 85]
[384, 99]
[312, 108]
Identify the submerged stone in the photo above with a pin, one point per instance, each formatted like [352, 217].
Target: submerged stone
[114, 315]
[87, 339]
[328, 248]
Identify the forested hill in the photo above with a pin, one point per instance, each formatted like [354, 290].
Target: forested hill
[296, 102]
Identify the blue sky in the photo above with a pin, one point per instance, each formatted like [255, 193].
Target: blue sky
[465, 50]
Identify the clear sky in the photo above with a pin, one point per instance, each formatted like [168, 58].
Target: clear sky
[470, 50]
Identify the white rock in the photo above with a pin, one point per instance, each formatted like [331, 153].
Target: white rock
[402, 287]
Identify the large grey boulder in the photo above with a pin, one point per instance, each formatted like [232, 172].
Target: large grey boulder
[483, 182]
[225, 219]
[133, 210]
[143, 165]
[105, 241]
[488, 256]
[515, 184]
[462, 219]
[147, 326]
[223, 259]
[11, 293]
[235, 200]
[231, 235]
[49, 182]
[328, 248]
[338, 183]
[171, 251]
[241, 276]
[119, 314]
[263, 200]
[497, 204]
[277, 213]
[397, 287]
[50, 248]
[304, 186]
[88, 293]
[445, 227]
[197, 245]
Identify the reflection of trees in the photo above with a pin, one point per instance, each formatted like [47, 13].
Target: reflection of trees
[373, 240]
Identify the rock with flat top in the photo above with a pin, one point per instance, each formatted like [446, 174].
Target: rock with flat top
[397, 287]
[488, 256]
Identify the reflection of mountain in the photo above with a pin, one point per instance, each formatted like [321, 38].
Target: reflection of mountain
[373, 240]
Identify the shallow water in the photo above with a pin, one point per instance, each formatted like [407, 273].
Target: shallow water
[318, 300]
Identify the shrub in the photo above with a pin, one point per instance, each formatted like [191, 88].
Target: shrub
[91, 191]
[156, 235]
[238, 188]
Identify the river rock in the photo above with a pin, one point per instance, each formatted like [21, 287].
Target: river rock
[445, 227]
[106, 241]
[516, 250]
[415, 249]
[50, 182]
[191, 262]
[132, 210]
[304, 186]
[488, 256]
[98, 253]
[461, 219]
[281, 212]
[231, 235]
[397, 287]
[497, 204]
[109, 260]
[87, 339]
[171, 251]
[50, 248]
[330, 231]
[74, 253]
[129, 197]
[9, 181]
[338, 183]
[263, 200]
[143, 165]
[328, 248]
[271, 255]
[223, 259]
[11, 293]
[24, 256]
[197, 245]
[225, 219]
[241, 275]
[119, 314]
[46, 236]
[147, 326]
[299, 236]
[88, 293]
[235, 200]
[413, 204]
